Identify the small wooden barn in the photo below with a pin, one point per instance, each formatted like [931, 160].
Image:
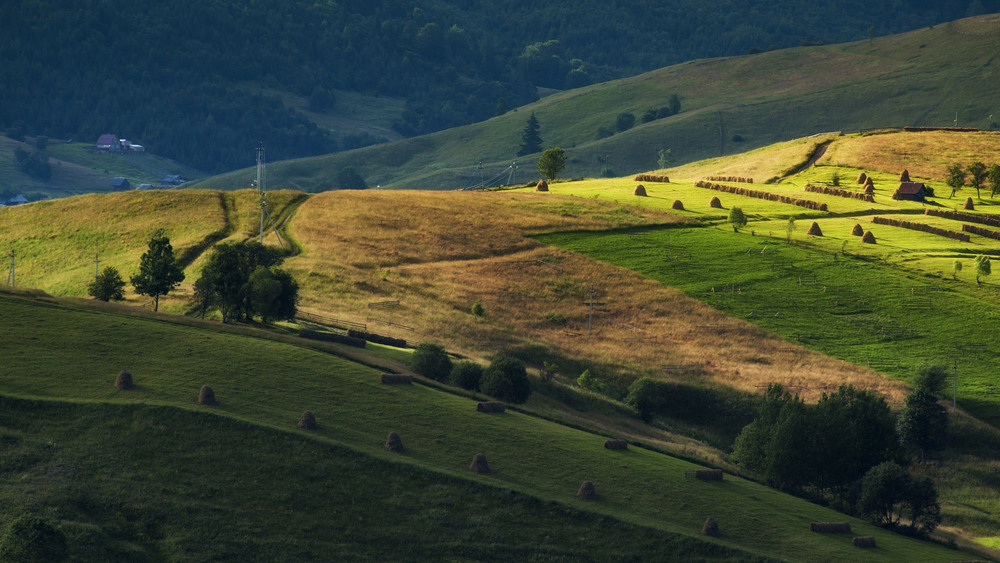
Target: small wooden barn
[913, 191]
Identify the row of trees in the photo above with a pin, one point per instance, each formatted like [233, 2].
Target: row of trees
[850, 449]
[977, 174]
[505, 378]
[240, 280]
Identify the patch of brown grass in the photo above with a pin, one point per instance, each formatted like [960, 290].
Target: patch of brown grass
[924, 154]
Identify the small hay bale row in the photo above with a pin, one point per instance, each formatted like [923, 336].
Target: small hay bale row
[542, 186]
[587, 491]
[969, 205]
[839, 192]
[677, 205]
[808, 204]
[332, 337]
[491, 407]
[715, 203]
[814, 230]
[868, 238]
[995, 235]
[651, 178]
[711, 528]
[863, 541]
[739, 179]
[708, 474]
[830, 527]
[396, 379]
[922, 227]
[615, 445]
[984, 219]
[124, 381]
[377, 338]
[639, 190]
[307, 421]
[862, 179]
[858, 230]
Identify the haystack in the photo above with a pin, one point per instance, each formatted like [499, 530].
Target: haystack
[814, 230]
[904, 176]
[715, 203]
[396, 379]
[708, 474]
[830, 527]
[868, 238]
[587, 491]
[858, 230]
[862, 178]
[307, 421]
[711, 528]
[124, 381]
[870, 189]
[491, 407]
[542, 186]
[640, 190]
[615, 445]
[864, 541]
[479, 464]
[969, 206]
[206, 396]
[677, 205]
[869, 182]
[394, 444]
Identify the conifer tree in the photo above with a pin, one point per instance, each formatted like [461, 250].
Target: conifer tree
[531, 141]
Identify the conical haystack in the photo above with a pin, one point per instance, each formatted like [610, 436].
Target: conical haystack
[870, 189]
[715, 203]
[814, 230]
[969, 206]
[640, 190]
[542, 186]
[307, 421]
[124, 381]
[862, 178]
[479, 464]
[394, 444]
[587, 491]
[206, 396]
[858, 230]
[868, 238]
[711, 528]
[904, 176]
[677, 205]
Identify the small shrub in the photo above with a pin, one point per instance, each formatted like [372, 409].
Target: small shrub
[737, 218]
[477, 309]
[467, 375]
[556, 318]
[645, 396]
[430, 360]
[835, 178]
[506, 379]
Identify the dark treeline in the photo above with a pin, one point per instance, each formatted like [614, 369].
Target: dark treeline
[185, 77]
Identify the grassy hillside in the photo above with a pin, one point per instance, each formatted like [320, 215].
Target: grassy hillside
[914, 78]
[155, 442]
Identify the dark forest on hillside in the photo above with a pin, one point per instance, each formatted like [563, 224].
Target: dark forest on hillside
[185, 78]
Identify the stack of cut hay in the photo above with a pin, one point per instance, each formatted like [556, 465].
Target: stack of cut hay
[587, 491]
[206, 396]
[864, 541]
[677, 205]
[858, 230]
[479, 464]
[491, 407]
[307, 421]
[870, 188]
[711, 528]
[862, 178]
[715, 203]
[830, 527]
[640, 190]
[396, 379]
[124, 381]
[615, 445]
[394, 443]
[868, 238]
[708, 474]
[904, 176]
[814, 230]
[969, 206]
[542, 186]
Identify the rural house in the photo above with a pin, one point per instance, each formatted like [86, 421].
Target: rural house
[913, 191]
[120, 183]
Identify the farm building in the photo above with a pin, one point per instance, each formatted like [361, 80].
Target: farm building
[120, 183]
[913, 191]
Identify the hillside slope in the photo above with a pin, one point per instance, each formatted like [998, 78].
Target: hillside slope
[729, 105]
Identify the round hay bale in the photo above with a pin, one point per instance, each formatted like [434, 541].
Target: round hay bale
[615, 445]
[868, 238]
[206, 396]
[677, 205]
[862, 178]
[542, 186]
[587, 491]
[124, 381]
[814, 230]
[479, 464]
[711, 528]
[904, 176]
[969, 206]
[394, 444]
[307, 421]
[640, 190]
[715, 203]
[858, 230]
[863, 541]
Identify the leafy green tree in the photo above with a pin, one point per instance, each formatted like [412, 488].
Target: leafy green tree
[977, 173]
[349, 179]
[467, 375]
[923, 423]
[883, 489]
[955, 178]
[624, 121]
[273, 294]
[957, 265]
[665, 158]
[431, 360]
[552, 162]
[30, 539]
[107, 285]
[983, 266]
[993, 175]
[531, 140]
[225, 283]
[506, 379]
[159, 271]
[853, 430]
[645, 397]
[921, 501]
[674, 102]
[777, 444]
[41, 142]
[737, 218]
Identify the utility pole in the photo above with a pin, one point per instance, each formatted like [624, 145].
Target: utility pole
[260, 188]
[590, 317]
[97, 265]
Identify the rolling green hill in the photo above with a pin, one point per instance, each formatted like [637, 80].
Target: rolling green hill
[729, 105]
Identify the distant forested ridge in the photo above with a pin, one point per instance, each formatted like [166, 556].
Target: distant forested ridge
[190, 79]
